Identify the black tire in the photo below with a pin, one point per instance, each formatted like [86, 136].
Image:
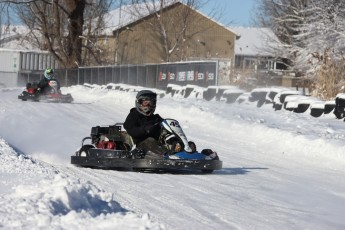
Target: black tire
[207, 171]
[69, 98]
[84, 151]
[192, 145]
[138, 170]
[260, 103]
[176, 146]
[208, 152]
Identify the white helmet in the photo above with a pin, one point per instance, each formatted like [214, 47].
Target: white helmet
[49, 73]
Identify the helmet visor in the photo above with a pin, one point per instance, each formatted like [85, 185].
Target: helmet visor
[146, 105]
[146, 101]
[49, 74]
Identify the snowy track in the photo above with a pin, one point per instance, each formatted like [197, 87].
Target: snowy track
[280, 169]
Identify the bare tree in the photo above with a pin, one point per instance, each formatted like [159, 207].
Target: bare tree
[169, 27]
[94, 24]
[313, 34]
[58, 26]
[4, 19]
[285, 19]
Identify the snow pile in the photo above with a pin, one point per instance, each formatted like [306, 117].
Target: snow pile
[56, 201]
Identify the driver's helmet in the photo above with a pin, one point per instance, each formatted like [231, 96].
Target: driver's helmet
[146, 102]
[49, 73]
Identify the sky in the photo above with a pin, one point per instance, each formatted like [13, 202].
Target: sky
[233, 12]
[281, 170]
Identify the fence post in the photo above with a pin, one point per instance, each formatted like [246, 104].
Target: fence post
[155, 76]
[137, 74]
[66, 71]
[217, 70]
[97, 74]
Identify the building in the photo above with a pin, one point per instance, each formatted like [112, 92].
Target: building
[138, 34]
[257, 49]
[175, 33]
[14, 61]
[18, 55]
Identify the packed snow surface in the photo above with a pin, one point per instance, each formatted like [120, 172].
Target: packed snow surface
[281, 170]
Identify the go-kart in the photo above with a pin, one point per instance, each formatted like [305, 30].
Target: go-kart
[112, 147]
[51, 93]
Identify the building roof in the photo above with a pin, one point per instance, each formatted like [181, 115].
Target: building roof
[124, 16]
[252, 41]
[255, 41]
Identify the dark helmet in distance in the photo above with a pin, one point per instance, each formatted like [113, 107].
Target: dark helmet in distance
[146, 102]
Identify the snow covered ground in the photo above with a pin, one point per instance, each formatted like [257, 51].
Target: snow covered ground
[281, 170]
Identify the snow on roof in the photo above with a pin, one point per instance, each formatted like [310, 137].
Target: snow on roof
[255, 41]
[127, 14]
[118, 18]
[252, 41]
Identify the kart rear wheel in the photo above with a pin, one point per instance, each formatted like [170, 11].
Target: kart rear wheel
[84, 150]
[69, 98]
[138, 170]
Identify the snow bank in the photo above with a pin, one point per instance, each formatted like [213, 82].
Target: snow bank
[48, 199]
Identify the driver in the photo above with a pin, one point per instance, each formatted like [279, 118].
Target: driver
[144, 126]
[43, 84]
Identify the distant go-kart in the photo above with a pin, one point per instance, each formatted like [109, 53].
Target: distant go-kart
[112, 147]
[50, 94]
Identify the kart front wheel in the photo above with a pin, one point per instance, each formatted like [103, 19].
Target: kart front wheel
[207, 171]
[84, 151]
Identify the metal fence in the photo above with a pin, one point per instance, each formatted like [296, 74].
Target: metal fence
[202, 73]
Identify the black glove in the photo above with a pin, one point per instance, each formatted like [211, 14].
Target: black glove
[150, 128]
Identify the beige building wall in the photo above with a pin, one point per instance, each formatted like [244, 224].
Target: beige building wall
[140, 43]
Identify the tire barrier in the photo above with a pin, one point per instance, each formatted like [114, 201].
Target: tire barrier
[280, 98]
